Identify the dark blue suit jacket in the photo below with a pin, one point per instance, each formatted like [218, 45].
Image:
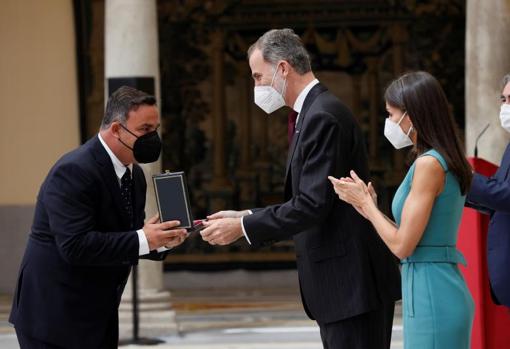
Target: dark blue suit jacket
[492, 194]
[79, 253]
[344, 267]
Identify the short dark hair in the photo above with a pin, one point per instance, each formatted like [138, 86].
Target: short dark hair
[283, 44]
[421, 95]
[121, 102]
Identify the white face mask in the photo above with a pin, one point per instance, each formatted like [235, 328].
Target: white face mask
[267, 98]
[504, 116]
[393, 132]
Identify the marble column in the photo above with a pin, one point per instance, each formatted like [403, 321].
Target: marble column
[131, 50]
[487, 61]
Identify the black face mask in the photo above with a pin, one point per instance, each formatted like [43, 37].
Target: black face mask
[146, 148]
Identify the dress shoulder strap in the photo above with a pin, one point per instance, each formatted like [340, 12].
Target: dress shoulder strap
[434, 153]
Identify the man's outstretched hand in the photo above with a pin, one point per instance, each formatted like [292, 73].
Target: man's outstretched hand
[228, 214]
[222, 231]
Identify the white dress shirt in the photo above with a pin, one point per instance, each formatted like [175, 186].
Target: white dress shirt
[298, 105]
[120, 169]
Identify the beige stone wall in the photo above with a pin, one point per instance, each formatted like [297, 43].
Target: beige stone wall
[38, 93]
[487, 60]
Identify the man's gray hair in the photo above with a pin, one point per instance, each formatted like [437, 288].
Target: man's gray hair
[121, 102]
[283, 44]
[505, 81]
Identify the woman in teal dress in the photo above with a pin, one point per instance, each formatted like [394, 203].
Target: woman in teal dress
[437, 306]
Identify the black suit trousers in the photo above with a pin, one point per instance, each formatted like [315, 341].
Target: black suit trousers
[26, 342]
[370, 330]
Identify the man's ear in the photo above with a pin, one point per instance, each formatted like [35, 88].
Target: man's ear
[115, 129]
[285, 68]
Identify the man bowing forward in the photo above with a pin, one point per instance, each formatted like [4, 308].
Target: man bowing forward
[88, 230]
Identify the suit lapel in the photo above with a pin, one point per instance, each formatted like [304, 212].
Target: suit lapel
[310, 98]
[109, 176]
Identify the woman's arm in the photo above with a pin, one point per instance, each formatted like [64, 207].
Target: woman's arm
[428, 182]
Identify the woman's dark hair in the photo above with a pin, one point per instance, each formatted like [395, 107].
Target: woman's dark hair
[421, 95]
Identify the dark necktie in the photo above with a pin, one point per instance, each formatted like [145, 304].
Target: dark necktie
[291, 124]
[126, 192]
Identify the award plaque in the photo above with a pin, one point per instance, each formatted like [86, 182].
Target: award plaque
[173, 199]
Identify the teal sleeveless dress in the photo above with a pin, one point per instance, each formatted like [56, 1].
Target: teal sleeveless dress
[437, 306]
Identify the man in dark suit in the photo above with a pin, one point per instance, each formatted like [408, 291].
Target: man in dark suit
[88, 230]
[492, 195]
[349, 280]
